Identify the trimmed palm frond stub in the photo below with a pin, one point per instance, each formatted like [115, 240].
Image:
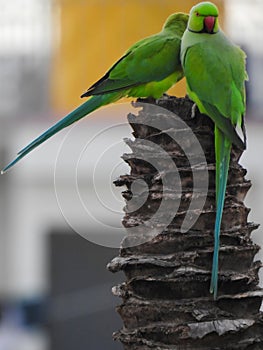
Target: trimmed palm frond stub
[166, 302]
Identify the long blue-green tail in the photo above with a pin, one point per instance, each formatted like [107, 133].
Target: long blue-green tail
[87, 107]
[222, 153]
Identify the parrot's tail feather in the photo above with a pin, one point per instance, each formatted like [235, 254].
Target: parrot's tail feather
[87, 107]
[222, 149]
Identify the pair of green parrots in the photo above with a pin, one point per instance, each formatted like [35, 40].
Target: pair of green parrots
[192, 46]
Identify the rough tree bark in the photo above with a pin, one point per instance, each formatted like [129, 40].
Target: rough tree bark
[165, 300]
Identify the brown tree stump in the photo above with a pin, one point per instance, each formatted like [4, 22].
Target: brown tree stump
[166, 302]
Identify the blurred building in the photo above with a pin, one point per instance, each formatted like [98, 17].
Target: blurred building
[245, 27]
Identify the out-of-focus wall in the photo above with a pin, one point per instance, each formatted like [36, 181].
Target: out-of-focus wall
[244, 25]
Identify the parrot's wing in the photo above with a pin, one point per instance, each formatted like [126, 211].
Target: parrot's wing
[225, 102]
[225, 125]
[152, 59]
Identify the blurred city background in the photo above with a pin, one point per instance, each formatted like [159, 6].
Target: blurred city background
[51, 51]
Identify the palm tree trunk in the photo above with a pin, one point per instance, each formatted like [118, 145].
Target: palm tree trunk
[165, 299]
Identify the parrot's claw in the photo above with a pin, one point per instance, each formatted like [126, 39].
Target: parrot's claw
[193, 110]
[164, 96]
[150, 100]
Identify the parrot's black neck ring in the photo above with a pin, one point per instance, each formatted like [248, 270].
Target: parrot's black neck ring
[201, 31]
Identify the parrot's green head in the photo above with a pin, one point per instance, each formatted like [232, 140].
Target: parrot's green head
[204, 18]
[177, 23]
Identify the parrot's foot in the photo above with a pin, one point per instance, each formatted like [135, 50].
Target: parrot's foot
[164, 96]
[146, 100]
[194, 107]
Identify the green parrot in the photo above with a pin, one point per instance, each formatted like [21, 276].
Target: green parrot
[148, 69]
[215, 75]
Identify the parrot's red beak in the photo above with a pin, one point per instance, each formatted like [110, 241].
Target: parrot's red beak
[209, 24]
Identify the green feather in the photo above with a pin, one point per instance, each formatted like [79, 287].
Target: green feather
[215, 86]
[152, 59]
[87, 107]
[222, 152]
[148, 69]
[215, 74]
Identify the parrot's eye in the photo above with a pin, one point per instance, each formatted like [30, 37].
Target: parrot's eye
[197, 14]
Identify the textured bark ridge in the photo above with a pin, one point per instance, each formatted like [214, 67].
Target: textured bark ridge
[166, 302]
